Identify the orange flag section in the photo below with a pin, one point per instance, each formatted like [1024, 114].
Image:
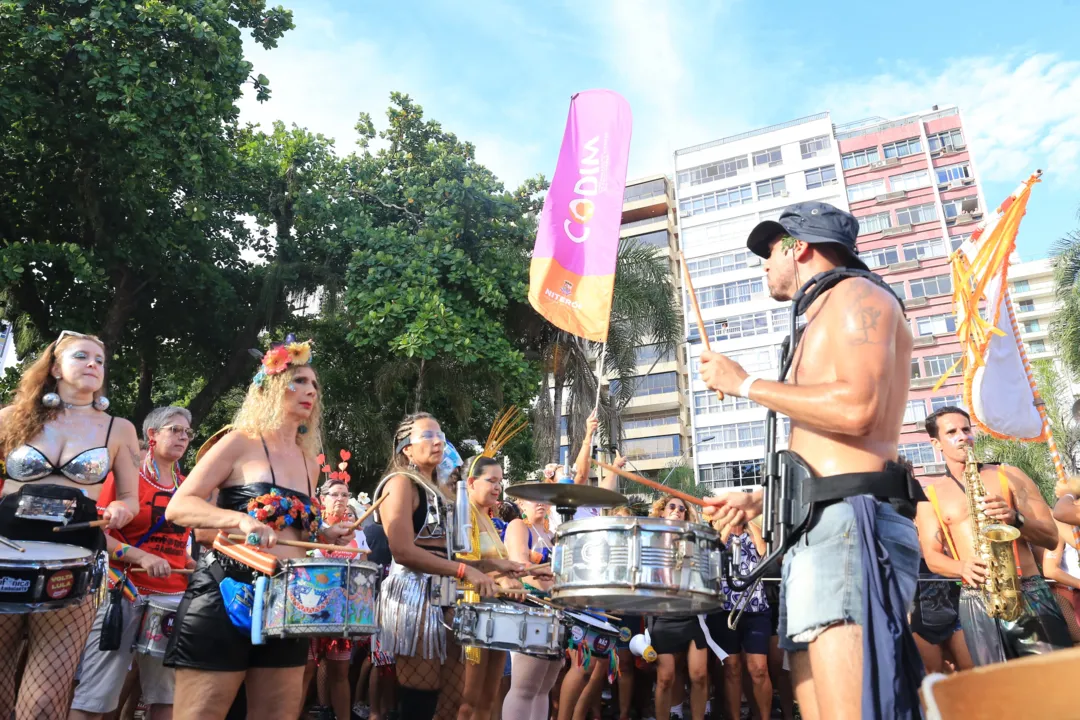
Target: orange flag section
[578, 305]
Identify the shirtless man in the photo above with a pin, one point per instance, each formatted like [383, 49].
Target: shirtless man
[950, 550]
[845, 396]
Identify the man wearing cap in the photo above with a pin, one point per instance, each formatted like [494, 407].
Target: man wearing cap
[855, 567]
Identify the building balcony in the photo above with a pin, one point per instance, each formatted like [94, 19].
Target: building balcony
[657, 401]
[646, 224]
[897, 230]
[923, 341]
[677, 428]
[890, 197]
[924, 383]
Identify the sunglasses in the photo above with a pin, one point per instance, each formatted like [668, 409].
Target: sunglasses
[430, 436]
[673, 506]
[179, 430]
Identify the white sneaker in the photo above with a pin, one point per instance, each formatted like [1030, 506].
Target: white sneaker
[361, 710]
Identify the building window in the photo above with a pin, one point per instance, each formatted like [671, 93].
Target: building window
[736, 473]
[1020, 286]
[714, 171]
[770, 157]
[1037, 346]
[952, 208]
[920, 453]
[718, 200]
[955, 241]
[648, 354]
[880, 257]
[645, 190]
[819, 177]
[734, 435]
[950, 173]
[898, 290]
[916, 214]
[874, 223]
[731, 230]
[648, 420]
[938, 365]
[859, 158]
[771, 188]
[719, 263]
[1026, 306]
[652, 448]
[730, 293]
[705, 401]
[910, 181]
[810, 148]
[1031, 326]
[924, 249]
[935, 325]
[738, 326]
[916, 370]
[930, 286]
[755, 359]
[903, 148]
[914, 411]
[657, 238]
[948, 139]
[936, 403]
[654, 384]
[865, 190]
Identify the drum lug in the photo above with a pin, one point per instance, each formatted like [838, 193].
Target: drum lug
[716, 559]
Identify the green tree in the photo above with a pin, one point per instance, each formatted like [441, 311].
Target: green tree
[1034, 458]
[1065, 327]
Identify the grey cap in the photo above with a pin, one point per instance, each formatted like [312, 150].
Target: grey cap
[812, 222]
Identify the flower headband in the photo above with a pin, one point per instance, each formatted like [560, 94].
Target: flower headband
[281, 356]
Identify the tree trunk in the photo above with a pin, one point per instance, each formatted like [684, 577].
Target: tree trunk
[556, 414]
[144, 403]
[418, 394]
[123, 302]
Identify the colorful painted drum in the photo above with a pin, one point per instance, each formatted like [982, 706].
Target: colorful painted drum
[156, 627]
[321, 597]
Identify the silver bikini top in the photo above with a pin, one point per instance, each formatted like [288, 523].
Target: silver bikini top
[26, 464]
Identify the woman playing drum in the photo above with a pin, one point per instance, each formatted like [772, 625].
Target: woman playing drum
[263, 472]
[58, 445]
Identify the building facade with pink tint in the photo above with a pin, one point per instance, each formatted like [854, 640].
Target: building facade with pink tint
[913, 186]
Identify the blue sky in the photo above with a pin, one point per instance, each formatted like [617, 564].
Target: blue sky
[500, 74]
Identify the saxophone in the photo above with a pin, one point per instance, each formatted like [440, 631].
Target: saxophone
[994, 546]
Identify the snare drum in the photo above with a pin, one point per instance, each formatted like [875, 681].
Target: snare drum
[535, 631]
[321, 597]
[156, 627]
[590, 636]
[48, 576]
[646, 566]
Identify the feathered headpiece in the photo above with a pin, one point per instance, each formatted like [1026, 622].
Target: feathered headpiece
[280, 356]
[506, 426]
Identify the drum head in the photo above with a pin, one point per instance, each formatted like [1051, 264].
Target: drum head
[38, 552]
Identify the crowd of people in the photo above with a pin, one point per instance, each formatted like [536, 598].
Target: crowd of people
[80, 485]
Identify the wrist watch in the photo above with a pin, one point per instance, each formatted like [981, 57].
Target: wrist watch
[1018, 521]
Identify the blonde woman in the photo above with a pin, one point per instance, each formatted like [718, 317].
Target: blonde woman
[263, 472]
[57, 442]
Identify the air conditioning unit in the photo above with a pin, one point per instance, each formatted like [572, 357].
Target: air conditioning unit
[897, 230]
[956, 183]
[783, 193]
[944, 185]
[934, 469]
[890, 196]
[754, 261]
[963, 218]
[884, 163]
[958, 148]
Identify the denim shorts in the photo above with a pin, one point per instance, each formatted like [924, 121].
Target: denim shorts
[822, 582]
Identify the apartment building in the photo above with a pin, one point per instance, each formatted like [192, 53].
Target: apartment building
[655, 424]
[724, 188]
[913, 186]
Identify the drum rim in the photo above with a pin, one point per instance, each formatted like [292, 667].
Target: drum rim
[596, 524]
[336, 562]
[83, 556]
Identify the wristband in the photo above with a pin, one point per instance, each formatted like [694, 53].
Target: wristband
[120, 551]
[744, 388]
[461, 571]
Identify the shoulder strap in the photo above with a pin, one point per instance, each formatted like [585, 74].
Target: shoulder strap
[109, 431]
[1006, 495]
[273, 478]
[931, 494]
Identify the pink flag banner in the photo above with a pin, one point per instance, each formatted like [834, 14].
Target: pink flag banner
[572, 276]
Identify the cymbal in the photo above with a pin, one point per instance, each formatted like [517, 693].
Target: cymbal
[566, 495]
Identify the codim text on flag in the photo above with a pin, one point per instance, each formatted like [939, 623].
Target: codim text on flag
[572, 275]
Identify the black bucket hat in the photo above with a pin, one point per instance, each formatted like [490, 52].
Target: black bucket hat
[811, 222]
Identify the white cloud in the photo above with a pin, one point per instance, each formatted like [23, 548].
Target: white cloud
[1020, 113]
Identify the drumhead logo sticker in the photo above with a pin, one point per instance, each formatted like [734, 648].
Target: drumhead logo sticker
[578, 633]
[60, 585]
[167, 624]
[601, 644]
[13, 585]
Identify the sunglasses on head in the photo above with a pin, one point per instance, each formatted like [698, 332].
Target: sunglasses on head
[77, 335]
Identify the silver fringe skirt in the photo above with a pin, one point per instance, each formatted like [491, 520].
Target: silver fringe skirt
[409, 623]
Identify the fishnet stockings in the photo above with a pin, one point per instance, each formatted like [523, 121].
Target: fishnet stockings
[453, 682]
[55, 644]
[1064, 597]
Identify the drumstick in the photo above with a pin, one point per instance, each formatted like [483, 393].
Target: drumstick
[527, 570]
[367, 513]
[308, 545]
[176, 571]
[12, 544]
[697, 311]
[81, 526]
[651, 483]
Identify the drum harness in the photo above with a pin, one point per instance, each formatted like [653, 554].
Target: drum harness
[791, 490]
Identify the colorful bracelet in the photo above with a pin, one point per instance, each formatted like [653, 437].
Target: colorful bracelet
[461, 571]
[120, 551]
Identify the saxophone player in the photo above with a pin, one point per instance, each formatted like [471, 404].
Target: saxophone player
[948, 539]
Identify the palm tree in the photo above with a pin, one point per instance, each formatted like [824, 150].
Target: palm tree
[1034, 458]
[644, 312]
[1065, 328]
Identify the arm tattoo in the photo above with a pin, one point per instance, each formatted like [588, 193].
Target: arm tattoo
[868, 317]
